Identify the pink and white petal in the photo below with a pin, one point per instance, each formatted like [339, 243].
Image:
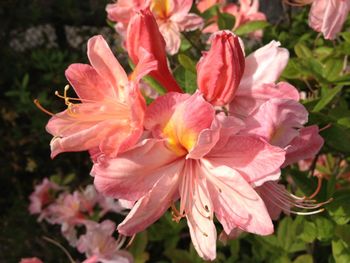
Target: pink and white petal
[305, 146]
[265, 65]
[248, 100]
[203, 234]
[171, 33]
[104, 62]
[255, 159]
[180, 8]
[87, 83]
[199, 210]
[153, 204]
[133, 173]
[236, 204]
[190, 22]
[277, 121]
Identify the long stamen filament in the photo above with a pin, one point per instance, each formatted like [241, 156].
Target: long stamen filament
[40, 107]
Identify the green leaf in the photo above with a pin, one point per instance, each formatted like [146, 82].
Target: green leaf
[211, 12]
[251, 27]
[304, 259]
[186, 79]
[138, 247]
[341, 251]
[327, 96]
[339, 208]
[332, 69]
[226, 21]
[325, 228]
[308, 231]
[337, 137]
[302, 51]
[187, 63]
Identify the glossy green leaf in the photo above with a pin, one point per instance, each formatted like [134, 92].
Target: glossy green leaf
[251, 27]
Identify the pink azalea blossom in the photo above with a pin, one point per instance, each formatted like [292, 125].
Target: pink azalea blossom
[31, 260]
[41, 196]
[262, 69]
[173, 17]
[221, 68]
[196, 156]
[281, 123]
[246, 11]
[328, 16]
[110, 117]
[67, 211]
[99, 245]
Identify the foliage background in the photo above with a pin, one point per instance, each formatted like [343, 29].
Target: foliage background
[39, 39]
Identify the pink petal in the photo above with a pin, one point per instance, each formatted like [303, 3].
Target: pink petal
[305, 146]
[190, 22]
[152, 205]
[256, 160]
[202, 228]
[328, 16]
[133, 173]
[265, 65]
[107, 66]
[171, 34]
[143, 32]
[277, 121]
[87, 83]
[236, 204]
[248, 100]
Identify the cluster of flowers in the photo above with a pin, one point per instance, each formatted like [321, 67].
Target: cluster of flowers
[218, 151]
[81, 209]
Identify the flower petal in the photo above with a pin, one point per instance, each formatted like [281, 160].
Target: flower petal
[236, 204]
[107, 66]
[265, 65]
[152, 205]
[305, 146]
[256, 160]
[133, 173]
[87, 83]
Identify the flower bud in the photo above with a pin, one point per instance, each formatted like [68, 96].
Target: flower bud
[143, 33]
[221, 68]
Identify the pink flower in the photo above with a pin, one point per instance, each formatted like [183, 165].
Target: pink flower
[196, 156]
[172, 16]
[281, 123]
[143, 33]
[262, 69]
[247, 11]
[220, 69]
[110, 117]
[328, 16]
[41, 196]
[30, 260]
[99, 245]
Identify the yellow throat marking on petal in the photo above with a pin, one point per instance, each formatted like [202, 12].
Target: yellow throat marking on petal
[161, 8]
[179, 141]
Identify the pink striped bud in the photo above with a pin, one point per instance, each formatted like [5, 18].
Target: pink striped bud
[221, 68]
